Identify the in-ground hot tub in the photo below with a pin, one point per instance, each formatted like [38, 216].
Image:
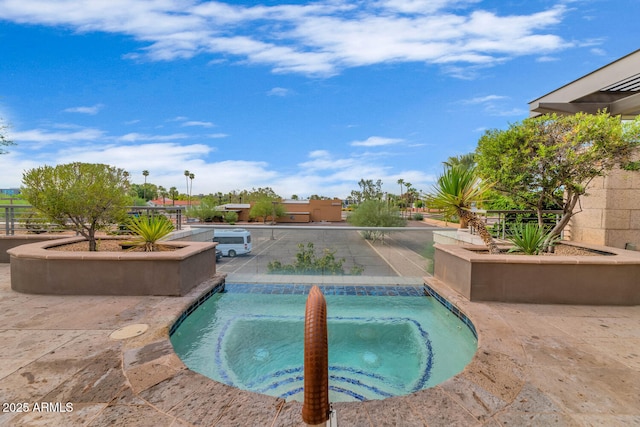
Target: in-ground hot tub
[383, 341]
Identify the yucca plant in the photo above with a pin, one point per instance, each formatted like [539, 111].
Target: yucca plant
[530, 238]
[454, 193]
[148, 231]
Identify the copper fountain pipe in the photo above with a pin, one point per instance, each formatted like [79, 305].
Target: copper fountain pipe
[316, 409]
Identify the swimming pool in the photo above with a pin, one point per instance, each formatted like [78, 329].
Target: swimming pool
[383, 341]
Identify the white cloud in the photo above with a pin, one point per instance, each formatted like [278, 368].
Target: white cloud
[278, 91]
[322, 172]
[43, 136]
[493, 105]
[217, 135]
[484, 99]
[547, 58]
[198, 123]
[93, 110]
[330, 175]
[319, 38]
[134, 137]
[376, 141]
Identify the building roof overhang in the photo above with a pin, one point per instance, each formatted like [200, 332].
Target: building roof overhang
[614, 87]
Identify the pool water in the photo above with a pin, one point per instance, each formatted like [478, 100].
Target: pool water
[379, 346]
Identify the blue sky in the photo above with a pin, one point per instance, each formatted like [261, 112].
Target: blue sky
[304, 97]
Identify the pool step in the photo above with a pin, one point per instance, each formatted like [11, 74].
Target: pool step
[345, 384]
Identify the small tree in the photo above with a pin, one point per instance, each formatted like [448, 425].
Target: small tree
[550, 160]
[267, 207]
[82, 197]
[375, 213]
[368, 190]
[206, 211]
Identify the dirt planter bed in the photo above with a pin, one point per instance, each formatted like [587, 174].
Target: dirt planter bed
[37, 270]
[609, 278]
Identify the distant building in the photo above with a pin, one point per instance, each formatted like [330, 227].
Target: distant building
[9, 191]
[312, 211]
[242, 209]
[296, 211]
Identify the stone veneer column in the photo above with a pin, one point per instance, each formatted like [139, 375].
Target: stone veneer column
[610, 211]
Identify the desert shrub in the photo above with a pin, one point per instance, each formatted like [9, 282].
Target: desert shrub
[206, 211]
[230, 217]
[307, 262]
[529, 238]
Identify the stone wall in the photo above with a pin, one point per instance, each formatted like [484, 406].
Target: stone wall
[610, 213]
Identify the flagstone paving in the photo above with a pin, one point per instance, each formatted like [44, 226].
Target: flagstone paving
[536, 365]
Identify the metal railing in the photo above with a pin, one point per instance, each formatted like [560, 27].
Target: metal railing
[499, 222]
[24, 218]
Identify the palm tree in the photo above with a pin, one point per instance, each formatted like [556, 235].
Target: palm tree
[467, 161]
[145, 173]
[163, 193]
[191, 176]
[454, 192]
[400, 181]
[186, 178]
[173, 193]
[407, 204]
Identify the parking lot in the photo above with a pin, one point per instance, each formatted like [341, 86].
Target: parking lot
[397, 253]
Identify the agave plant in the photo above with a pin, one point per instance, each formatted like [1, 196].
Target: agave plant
[148, 231]
[454, 192]
[530, 238]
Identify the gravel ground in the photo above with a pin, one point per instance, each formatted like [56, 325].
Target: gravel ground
[560, 250]
[107, 245]
[572, 250]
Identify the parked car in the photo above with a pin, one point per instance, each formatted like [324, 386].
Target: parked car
[233, 242]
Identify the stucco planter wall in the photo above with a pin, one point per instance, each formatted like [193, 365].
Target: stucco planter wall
[34, 269]
[9, 242]
[594, 280]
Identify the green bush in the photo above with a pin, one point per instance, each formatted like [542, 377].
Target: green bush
[418, 217]
[230, 217]
[529, 238]
[307, 262]
[375, 213]
[206, 211]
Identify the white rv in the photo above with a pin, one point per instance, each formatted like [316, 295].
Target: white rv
[232, 242]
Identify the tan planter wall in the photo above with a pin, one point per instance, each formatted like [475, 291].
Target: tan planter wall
[591, 280]
[9, 242]
[34, 269]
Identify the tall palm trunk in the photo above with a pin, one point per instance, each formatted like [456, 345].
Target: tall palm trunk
[474, 221]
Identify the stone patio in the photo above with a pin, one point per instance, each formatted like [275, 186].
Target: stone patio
[536, 365]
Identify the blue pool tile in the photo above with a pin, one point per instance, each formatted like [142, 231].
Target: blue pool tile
[301, 289]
